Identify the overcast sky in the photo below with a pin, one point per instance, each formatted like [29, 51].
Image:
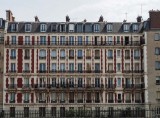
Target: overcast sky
[78, 10]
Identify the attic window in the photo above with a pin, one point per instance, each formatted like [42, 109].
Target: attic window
[71, 27]
[43, 28]
[54, 27]
[14, 27]
[62, 27]
[27, 27]
[109, 27]
[126, 27]
[1, 22]
[135, 27]
[96, 27]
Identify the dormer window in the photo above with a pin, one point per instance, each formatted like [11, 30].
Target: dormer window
[109, 27]
[62, 28]
[96, 27]
[1, 20]
[71, 27]
[27, 27]
[79, 27]
[135, 27]
[126, 27]
[43, 28]
[14, 27]
[54, 27]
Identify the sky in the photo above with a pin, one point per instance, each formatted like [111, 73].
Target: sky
[78, 10]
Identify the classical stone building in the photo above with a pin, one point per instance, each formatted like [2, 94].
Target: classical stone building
[58, 66]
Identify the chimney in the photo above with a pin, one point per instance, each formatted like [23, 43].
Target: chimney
[9, 16]
[85, 20]
[139, 19]
[154, 16]
[67, 18]
[100, 19]
[13, 18]
[36, 19]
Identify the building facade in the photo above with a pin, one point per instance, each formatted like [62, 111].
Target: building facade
[75, 66]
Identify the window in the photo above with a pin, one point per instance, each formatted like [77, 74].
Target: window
[71, 40]
[137, 97]
[71, 82]
[80, 82]
[42, 97]
[42, 67]
[79, 67]
[43, 28]
[71, 54]
[118, 40]
[96, 27]
[12, 111]
[62, 54]
[109, 40]
[136, 54]
[54, 40]
[26, 97]
[87, 40]
[27, 27]
[157, 80]
[54, 54]
[110, 97]
[80, 54]
[127, 66]
[62, 40]
[119, 82]
[110, 66]
[12, 97]
[13, 54]
[127, 54]
[79, 28]
[109, 27]
[128, 97]
[42, 54]
[97, 67]
[42, 40]
[118, 67]
[54, 67]
[79, 40]
[26, 111]
[156, 37]
[62, 82]
[71, 67]
[62, 98]
[135, 27]
[71, 27]
[26, 82]
[97, 54]
[27, 40]
[13, 41]
[53, 97]
[97, 82]
[14, 27]
[62, 67]
[26, 67]
[26, 54]
[88, 54]
[110, 54]
[126, 27]
[88, 27]
[118, 53]
[54, 27]
[13, 67]
[42, 111]
[62, 27]
[53, 82]
[157, 51]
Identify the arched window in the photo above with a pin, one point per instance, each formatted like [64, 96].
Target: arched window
[42, 54]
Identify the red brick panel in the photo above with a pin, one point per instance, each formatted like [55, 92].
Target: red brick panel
[20, 60]
[32, 67]
[32, 97]
[20, 40]
[154, 19]
[32, 82]
[19, 97]
[115, 60]
[19, 83]
[7, 60]
[6, 97]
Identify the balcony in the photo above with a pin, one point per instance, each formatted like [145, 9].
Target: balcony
[119, 101]
[97, 101]
[127, 71]
[53, 58]
[110, 101]
[88, 57]
[110, 71]
[53, 101]
[26, 86]
[12, 101]
[12, 57]
[12, 86]
[62, 101]
[88, 101]
[138, 71]
[139, 86]
[80, 101]
[110, 57]
[137, 57]
[62, 58]
[42, 71]
[79, 57]
[12, 71]
[25, 101]
[26, 57]
[97, 57]
[110, 86]
[42, 101]
[71, 57]
[128, 86]
[40, 57]
[26, 71]
[127, 57]
[137, 101]
[71, 101]
[128, 101]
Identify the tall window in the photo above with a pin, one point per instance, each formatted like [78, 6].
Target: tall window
[27, 40]
[110, 54]
[13, 40]
[156, 37]
[135, 27]
[109, 40]
[26, 97]
[53, 54]
[118, 53]
[71, 40]
[53, 97]
[97, 54]
[136, 54]
[27, 27]
[62, 40]
[97, 82]
[88, 54]
[157, 51]
[127, 54]
[79, 67]
[13, 67]
[54, 67]
[62, 67]
[71, 54]
[26, 67]
[13, 54]
[125, 27]
[42, 67]
[119, 82]
[26, 54]
[12, 97]
[42, 40]
[14, 27]
[80, 82]
[43, 28]
[79, 40]
[80, 54]
[26, 82]
[42, 54]
[157, 65]
[97, 67]
[118, 67]
[118, 40]
[96, 27]
[109, 27]
[54, 40]
[71, 67]
[71, 27]
[42, 97]
[62, 54]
